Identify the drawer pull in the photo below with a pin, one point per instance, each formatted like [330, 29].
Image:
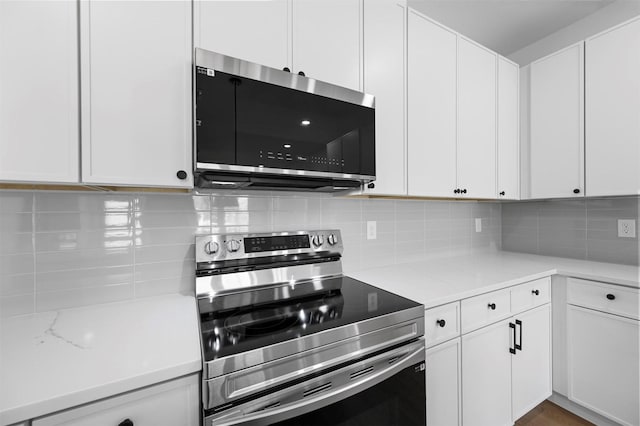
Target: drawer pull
[126, 422]
[611, 296]
[536, 292]
[441, 322]
[492, 306]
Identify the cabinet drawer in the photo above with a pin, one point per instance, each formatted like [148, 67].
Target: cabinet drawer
[529, 295]
[176, 402]
[441, 323]
[485, 309]
[603, 297]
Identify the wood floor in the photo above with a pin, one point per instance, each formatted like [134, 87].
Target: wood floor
[549, 414]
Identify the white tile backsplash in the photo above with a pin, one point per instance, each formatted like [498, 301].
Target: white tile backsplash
[66, 249]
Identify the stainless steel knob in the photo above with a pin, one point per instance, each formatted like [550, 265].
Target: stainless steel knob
[233, 246]
[211, 247]
[333, 240]
[317, 240]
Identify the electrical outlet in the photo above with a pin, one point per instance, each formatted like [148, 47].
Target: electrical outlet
[371, 230]
[627, 228]
[478, 224]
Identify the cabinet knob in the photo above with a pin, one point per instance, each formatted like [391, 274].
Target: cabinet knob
[456, 191]
[286, 69]
[502, 193]
[441, 322]
[181, 174]
[536, 292]
[464, 191]
[301, 73]
[126, 422]
[371, 185]
[492, 306]
[576, 191]
[611, 296]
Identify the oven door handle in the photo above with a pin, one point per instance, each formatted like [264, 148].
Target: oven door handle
[396, 361]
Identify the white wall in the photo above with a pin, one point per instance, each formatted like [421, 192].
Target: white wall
[609, 16]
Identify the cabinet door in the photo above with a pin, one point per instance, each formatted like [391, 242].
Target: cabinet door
[508, 130]
[486, 372]
[171, 403]
[431, 99]
[256, 31]
[557, 136]
[603, 352]
[136, 93]
[39, 138]
[443, 384]
[612, 116]
[531, 366]
[476, 153]
[384, 77]
[327, 40]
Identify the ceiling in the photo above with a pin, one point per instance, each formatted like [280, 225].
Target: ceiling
[507, 26]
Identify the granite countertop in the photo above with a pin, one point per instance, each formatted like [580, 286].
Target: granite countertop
[57, 360]
[443, 280]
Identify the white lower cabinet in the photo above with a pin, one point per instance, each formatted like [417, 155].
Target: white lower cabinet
[443, 384]
[506, 368]
[604, 371]
[172, 403]
[531, 365]
[486, 372]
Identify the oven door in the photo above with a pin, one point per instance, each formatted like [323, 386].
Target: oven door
[386, 389]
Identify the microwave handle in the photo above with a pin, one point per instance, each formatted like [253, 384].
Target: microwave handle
[294, 409]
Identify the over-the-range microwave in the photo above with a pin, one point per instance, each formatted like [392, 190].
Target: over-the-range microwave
[263, 128]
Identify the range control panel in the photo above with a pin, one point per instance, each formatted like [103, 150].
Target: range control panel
[220, 247]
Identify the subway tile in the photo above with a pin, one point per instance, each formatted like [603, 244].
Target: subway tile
[182, 284]
[12, 243]
[625, 257]
[162, 219]
[16, 202]
[83, 259]
[165, 236]
[79, 278]
[51, 301]
[83, 240]
[415, 226]
[81, 202]
[154, 254]
[16, 305]
[240, 203]
[167, 269]
[186, 203]
[379, 205]
[15, 264]
[72, 221]
[15, 285]
[15, 223]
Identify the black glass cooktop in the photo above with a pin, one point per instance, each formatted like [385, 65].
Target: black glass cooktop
[248, 328]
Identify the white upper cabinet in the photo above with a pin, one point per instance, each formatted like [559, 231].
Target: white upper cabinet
[508, 130]
[557, 124]
[327, 37]
[256, 31]
[476, 153]
[431, 128]
[136, 93]
[321, 38]
[39, 135]
[384, 77]
[612, 116]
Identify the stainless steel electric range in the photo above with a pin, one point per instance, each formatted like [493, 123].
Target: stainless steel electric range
[287, 339]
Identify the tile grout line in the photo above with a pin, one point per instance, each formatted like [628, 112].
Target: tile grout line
[33, 248]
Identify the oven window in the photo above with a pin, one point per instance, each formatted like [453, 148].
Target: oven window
[399, 400]
[251, 123]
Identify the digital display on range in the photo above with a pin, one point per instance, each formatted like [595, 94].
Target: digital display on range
[282, 242]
